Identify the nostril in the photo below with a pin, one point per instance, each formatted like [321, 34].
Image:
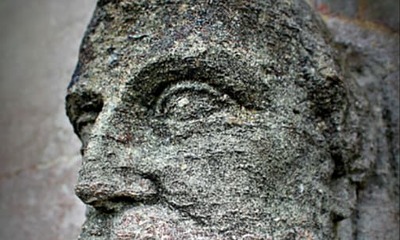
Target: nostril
[111, 196]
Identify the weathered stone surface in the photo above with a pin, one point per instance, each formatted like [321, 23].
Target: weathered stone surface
[224, 120]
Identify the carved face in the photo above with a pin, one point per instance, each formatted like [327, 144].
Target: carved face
[199, 121]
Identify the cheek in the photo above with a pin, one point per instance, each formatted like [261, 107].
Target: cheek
[232, 163]
[212, 168]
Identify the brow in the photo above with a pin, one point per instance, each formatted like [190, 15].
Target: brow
[239, 83]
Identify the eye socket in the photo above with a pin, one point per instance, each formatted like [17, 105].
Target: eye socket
[189, 105]
[82, 110]
[191, 100]
[84, 121]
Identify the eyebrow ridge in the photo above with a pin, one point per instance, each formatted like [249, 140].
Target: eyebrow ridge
[238, 82]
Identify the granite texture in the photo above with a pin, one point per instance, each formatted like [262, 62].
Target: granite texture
[229, 120]
[40, 155]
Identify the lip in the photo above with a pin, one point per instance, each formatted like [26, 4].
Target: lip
[109, 195]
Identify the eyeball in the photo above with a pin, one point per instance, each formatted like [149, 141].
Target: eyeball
[191, 100]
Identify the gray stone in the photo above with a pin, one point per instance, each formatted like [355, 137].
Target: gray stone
[222, 120]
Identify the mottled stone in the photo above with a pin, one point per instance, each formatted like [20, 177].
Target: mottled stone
[218, 120]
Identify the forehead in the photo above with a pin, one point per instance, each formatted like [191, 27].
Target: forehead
[129, 42]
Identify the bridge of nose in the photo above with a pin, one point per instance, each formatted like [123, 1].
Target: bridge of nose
[107, 175]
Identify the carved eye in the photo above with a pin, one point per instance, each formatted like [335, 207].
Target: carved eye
[187, 101]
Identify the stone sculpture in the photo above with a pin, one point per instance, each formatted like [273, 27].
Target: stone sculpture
[217, 120]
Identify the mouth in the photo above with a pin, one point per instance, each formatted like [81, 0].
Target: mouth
[141, 222]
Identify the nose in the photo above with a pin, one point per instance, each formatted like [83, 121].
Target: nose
[106, 180]
[112, 192]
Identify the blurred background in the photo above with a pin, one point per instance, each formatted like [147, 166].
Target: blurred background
[383, 12]
[39, 154]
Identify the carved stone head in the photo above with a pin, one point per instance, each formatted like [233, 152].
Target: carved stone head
[211, 120]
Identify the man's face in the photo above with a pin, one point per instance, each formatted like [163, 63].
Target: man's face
[190, 137]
